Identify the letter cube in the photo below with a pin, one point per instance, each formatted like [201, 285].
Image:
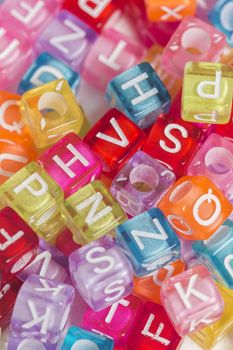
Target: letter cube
[36, 197]
[195, 207]
[141, 183]
[71, 163]
[12, 127]
[42, 309]
[101, 266]
[148, 241]
[194, 40]
[203, 9]
[45, 69]
[154, 330]
[173, 143]
[221, 17]
[68, 39]
[207, 93]
[27, 343]
[140, 94]
[192, 300]
[78, 338]
[115, 134]
[169, 10]
[214, 159]
[117, 321]
[51, 111]
[92, 212]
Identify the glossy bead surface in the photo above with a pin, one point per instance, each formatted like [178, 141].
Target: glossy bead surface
[195, 207]
[51, 111]
[140, 94]
[148, 241]
[207, 93]
[192, 300]
[203, 9]
[102, 266]
[71, 163]
[45, 69]
[141, 183]
[221, 17]
[68, 39]
[65, 243]
[28, 343]
[92, 212]
[194, 40]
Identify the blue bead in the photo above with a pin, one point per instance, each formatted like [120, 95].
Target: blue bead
[78, 338]
[148, 241]
[45, 69]
[216, 254]
[222, 18]
[140, 94]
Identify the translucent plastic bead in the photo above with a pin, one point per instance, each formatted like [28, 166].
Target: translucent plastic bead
[221, 17]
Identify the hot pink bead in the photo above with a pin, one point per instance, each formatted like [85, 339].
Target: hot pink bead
[71, 163]
[192, 300]
[194, 40]
[111, 54]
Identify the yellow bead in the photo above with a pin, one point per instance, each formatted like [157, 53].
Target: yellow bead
[209, 336]
[207, 93]
[51, 111]
[36, 197]
[92, 212]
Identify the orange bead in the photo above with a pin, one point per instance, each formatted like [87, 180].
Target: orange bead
[11, 126]
[195, 207]
[169, 10]
[12, 158]
[148, 288]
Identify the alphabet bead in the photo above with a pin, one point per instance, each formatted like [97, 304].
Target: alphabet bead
[222, 18]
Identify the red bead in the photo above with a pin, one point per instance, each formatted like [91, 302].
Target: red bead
[65, 243]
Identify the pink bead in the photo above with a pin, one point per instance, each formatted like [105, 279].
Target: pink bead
[111, 54]
[194, 40]
[192, 300]
[117, 321]
[16, 55]
[203, 9]
[71, 163]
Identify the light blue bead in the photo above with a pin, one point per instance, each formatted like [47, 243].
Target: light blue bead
[222, 18]
[80, 339]
[217, 253]
[148, 241]
[140, 94]
[47, 68]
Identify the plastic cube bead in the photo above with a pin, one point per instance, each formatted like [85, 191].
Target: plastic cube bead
[92, 212]
[51, 111]
[173, 143]
[71, 163]
[35, 196]
[115, 134]
[214, 160]
[45, 69]
[12, 127]
[30, 16]
[148, 241]
[140, 94]
[169, 10]
[154, 330]
[65, 243]
[203, 9]
[192, 300]
[117, 321]
[207, 93]
[111, 54]
[194, 40]
[195, 207]
[42, 309]
[101, 266]
[221, 17]
[216, 253]
[148, 288]
[27, 343]
[68, 39]
[78, 338]
[187, 254]
[141, 183]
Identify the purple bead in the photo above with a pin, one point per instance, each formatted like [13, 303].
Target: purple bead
[141, 183]
[42, 309]
[101, 273]
[29, 343]
[187, 253]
